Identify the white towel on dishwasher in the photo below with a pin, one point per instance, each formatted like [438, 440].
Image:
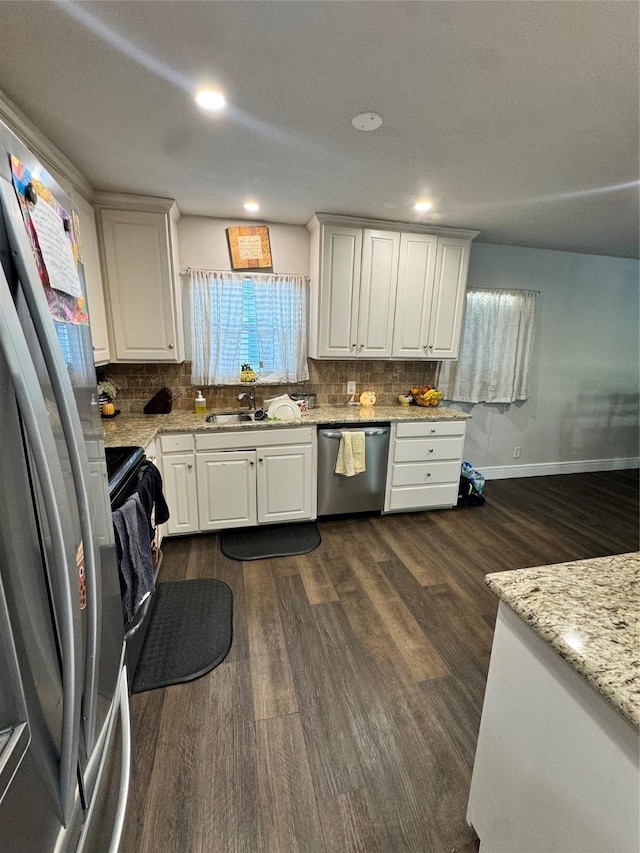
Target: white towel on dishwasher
[351, 453]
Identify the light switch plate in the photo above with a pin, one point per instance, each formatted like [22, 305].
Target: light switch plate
[351, 387]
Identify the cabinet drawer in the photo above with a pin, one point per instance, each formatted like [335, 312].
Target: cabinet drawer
[425, 473]
[416, 429]
[251, 437]
[176, 443]
[423, 497]
[421, 449]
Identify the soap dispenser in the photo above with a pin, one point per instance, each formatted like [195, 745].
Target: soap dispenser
[201, 404]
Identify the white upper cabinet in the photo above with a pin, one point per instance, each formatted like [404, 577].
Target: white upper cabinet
[93, 279]
[378, 281]
[447, 307]
[386, 293]
[414, 295]
[139, 246]
[338, 306]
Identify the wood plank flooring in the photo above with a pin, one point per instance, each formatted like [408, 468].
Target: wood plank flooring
[345, 716]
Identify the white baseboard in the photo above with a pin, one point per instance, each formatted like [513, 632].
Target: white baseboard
[544, 469]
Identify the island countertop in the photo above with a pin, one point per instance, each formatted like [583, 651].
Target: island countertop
[587, 611]
[139, 430]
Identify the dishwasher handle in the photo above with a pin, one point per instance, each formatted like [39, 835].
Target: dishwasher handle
[334, 434]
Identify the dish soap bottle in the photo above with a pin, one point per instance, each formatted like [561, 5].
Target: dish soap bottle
[201, 404]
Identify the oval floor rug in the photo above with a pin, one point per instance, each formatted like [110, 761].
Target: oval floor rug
[273, 540]
[190, 632]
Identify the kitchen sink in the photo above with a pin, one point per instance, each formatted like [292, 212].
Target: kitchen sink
[229, 417]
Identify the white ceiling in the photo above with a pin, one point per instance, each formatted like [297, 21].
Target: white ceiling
[519, 119]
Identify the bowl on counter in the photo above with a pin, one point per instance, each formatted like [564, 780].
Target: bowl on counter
[405, 399]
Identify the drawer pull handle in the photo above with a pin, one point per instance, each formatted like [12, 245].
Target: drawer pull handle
[428, 473]
[431, 450]
[433, 429]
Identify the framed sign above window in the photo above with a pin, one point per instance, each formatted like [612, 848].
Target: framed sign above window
[249, 247]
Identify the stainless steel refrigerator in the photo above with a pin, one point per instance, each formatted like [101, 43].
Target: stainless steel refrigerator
[64, 713]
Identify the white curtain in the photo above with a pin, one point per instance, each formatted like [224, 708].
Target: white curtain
[495, 353]
[281, 324]
[219, 316]
[216, 327]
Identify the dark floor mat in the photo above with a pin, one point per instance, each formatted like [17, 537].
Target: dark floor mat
[189, 633]
[276, 540]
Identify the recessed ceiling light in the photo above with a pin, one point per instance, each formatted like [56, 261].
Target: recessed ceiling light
[252, 206]
[366, 121]
[210, 100]
[422, 206]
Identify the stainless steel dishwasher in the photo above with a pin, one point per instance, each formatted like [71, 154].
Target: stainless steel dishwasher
[363, 492]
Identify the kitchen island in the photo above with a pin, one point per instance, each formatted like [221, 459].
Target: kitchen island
[556, 767]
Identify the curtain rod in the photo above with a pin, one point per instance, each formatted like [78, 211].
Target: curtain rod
[244, 272]
[523, 289]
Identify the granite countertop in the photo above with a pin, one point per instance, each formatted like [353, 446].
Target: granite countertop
[140, 429]
[587, 611]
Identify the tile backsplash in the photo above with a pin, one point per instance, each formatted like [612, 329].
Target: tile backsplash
[327, 379]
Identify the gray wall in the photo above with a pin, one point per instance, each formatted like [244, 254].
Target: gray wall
[583, 405]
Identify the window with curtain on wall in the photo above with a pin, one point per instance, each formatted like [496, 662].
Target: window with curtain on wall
[496, 348]
[244, 317]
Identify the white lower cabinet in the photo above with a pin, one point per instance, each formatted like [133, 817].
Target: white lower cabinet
[424, 465]
[179, 480]
[223, 479]
[285, 483]
[227, 489]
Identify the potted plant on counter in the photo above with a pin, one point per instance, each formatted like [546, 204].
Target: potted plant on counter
[107, 393]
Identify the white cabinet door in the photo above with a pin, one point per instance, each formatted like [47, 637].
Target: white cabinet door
[93, 280]
[226, 489]
[285, 483]
[378, 284]
[414, 296]
[339, 291]
[450, 286]
[140, 271]
[180, 492]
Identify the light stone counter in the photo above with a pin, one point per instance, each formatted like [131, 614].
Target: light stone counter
[139, 430]
[587, 611]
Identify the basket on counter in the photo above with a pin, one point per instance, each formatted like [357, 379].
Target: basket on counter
[431, 397]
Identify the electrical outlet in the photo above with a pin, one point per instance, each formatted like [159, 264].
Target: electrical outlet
[351, 387]
[516, 452]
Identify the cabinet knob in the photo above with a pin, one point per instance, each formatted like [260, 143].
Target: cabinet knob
[433, 429]
[428, 473]
[431, 450]
[170, 346]
[251, 462]
[189, 466]
[361, 346]
[260, 460]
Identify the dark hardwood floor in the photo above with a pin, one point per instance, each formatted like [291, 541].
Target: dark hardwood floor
[345, 716]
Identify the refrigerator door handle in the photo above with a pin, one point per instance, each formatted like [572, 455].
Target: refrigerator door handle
[35, 418]
[125, 764]
[72, 429]
[120, 705]
[11, 754]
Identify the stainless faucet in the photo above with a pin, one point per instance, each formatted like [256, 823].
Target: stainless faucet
[250, 395]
